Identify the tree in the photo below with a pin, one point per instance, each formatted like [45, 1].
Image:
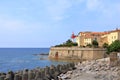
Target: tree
[114, 47]
[105, 45]
[95, 43]
[68, 43]
[89, 45]
[75, 44]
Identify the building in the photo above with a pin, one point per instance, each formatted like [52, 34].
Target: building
[113, 35]
[85, 38]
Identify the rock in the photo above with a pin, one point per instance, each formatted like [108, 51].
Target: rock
[25, 75]
[30, 75]
[38, 75]
[2, 77]
[69, 72]
[99, 69]
[67, 76]
[17, 77]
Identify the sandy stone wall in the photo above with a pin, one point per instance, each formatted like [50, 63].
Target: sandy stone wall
[76, 53]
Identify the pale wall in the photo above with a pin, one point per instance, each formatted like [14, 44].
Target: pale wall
[76, 53]
[112, 37]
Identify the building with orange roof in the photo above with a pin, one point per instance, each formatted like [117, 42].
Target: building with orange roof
[85, 38]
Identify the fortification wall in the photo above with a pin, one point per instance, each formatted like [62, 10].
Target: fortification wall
[76, 53]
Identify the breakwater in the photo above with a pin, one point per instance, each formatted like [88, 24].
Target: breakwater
[76, 53]
[47, 73]
[101, 69]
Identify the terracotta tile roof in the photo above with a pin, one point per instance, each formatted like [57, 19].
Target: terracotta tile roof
[100, 33]
[89, 34]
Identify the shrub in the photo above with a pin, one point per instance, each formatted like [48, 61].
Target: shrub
[68, 43]
[114, 47]
[105, 45]
[95, 43]
[89, 45]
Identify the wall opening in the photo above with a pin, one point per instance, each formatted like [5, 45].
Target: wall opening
[56, 55]
[68, 52]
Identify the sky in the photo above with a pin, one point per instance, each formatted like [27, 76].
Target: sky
[45, 23]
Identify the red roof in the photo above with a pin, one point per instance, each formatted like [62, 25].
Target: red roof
[73, 36]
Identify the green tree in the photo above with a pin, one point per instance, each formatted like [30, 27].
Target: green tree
[75, 44]
[105, 45]
[89, 45]
[68, 43]
[95, 43]
[114, 47]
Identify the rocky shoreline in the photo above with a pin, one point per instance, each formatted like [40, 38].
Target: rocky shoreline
[47, 73]
[93, 70]
[87, 70]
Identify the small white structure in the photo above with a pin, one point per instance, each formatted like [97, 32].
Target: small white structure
[118, 55]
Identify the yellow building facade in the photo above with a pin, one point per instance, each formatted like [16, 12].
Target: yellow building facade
[85, 38]
[113, 36]
[87, 41]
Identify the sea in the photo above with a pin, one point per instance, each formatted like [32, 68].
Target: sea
[16, 59]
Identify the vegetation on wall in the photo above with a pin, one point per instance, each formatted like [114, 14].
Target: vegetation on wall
[114, 47]
[95, 43]
[89, 45]
[105, 45]
[68, 43]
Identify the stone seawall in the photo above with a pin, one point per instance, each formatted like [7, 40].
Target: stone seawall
[47, 73]
[76, 53]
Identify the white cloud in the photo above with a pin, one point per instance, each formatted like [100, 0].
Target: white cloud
[8, 23]
[57, 8]
[93, 4]
[102, 5]
[106, 8]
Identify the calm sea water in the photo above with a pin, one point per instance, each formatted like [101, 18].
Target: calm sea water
[21, 58]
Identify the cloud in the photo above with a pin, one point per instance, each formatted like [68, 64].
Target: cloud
[105, 8]
[8, 23]
[102, 5]
[57, 8]
[93, 4]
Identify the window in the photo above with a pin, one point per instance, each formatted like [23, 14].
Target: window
[93, 35]
[68, 51]
[95, 38]
[112, 37]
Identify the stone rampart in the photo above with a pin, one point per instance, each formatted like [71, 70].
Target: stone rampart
[76, 53]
